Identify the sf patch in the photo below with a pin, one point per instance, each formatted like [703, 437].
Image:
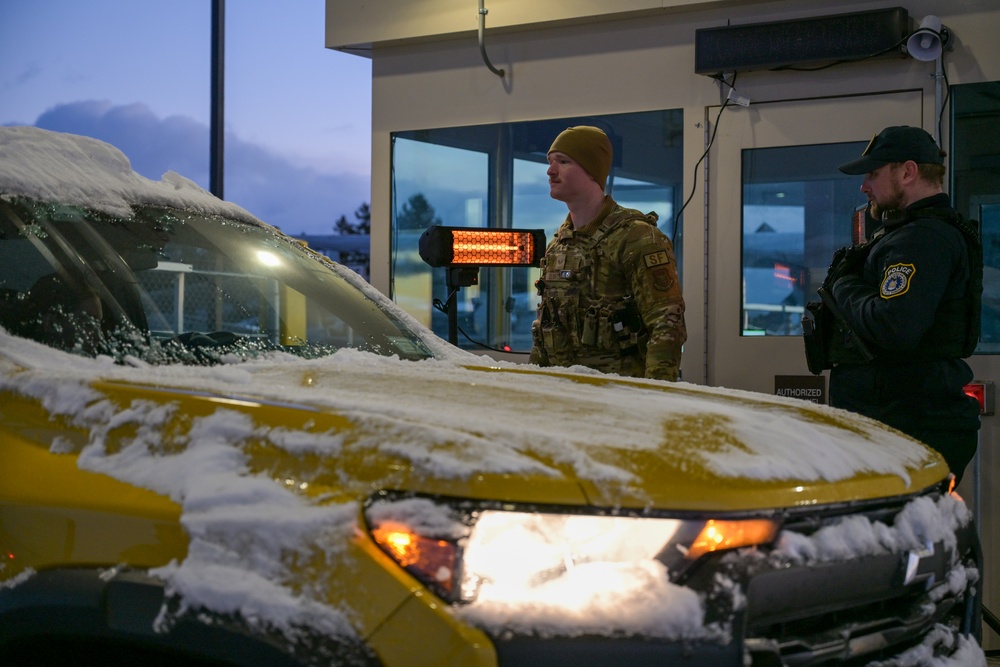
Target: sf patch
[655, 259]
[659, 264]
[896, 280]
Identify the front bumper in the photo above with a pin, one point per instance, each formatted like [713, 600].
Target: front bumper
[778, 611]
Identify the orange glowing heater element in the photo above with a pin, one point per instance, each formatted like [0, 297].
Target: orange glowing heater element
[783, 272]
[453, 246]
[487, 248]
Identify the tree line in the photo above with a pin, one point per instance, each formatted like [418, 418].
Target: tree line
[416, 213]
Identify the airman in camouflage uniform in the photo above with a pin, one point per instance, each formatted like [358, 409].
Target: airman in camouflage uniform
[610, 294]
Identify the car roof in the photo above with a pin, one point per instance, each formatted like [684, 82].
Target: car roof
[61, 168]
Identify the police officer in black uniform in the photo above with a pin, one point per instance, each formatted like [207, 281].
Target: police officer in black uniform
[906, 303]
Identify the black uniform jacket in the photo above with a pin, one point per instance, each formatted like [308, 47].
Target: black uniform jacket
[911, 271]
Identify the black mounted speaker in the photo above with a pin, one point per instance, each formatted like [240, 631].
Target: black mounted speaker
[811, 41]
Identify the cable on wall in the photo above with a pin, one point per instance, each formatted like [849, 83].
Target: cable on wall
[694, 184]
[482, 36]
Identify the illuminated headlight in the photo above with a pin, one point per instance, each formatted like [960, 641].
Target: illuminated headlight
[462, 556]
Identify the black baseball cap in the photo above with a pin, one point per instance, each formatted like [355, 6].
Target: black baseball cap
[898, 143]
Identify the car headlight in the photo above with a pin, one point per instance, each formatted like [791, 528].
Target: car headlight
[460, 553]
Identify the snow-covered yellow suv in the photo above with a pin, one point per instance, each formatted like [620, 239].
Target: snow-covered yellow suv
[217, 447]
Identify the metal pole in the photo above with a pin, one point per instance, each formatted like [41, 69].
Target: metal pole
[482, 44]
[217, 147]
[453, 284]
[938, 97]
[977, 485]
[451, 307]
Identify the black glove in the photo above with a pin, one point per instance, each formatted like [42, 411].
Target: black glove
[847, 261]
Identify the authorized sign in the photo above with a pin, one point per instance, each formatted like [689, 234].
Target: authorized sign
[807, 387]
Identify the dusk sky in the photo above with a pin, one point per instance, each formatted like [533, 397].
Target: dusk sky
[137, 74]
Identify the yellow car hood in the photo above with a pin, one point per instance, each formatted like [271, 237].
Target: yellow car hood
[355, 423]
[242, 485]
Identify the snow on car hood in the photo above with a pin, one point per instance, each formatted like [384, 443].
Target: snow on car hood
[446, 426]
[449, 427]
[493, 430]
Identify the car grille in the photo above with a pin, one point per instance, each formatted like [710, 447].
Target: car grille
[855, 611]
[860, 631]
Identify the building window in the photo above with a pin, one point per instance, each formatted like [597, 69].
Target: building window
[975, 188]
[494, 176]
[796, 212]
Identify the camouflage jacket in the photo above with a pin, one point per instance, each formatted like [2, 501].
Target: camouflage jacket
[611, 298]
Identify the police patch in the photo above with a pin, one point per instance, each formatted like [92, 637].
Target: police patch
[655, 259]
[896, 280]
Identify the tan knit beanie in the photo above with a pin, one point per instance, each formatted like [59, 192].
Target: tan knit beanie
[589, 147]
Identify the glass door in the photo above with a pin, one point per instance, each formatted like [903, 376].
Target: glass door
[778, 209]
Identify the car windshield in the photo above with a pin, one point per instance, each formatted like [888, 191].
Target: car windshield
[172, 286]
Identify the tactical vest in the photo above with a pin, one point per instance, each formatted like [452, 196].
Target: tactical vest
[955, 330]
[587, 315]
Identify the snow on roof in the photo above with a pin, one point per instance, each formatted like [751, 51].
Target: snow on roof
[71, 169]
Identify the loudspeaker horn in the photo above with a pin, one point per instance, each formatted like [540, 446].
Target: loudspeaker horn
[927, 41]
